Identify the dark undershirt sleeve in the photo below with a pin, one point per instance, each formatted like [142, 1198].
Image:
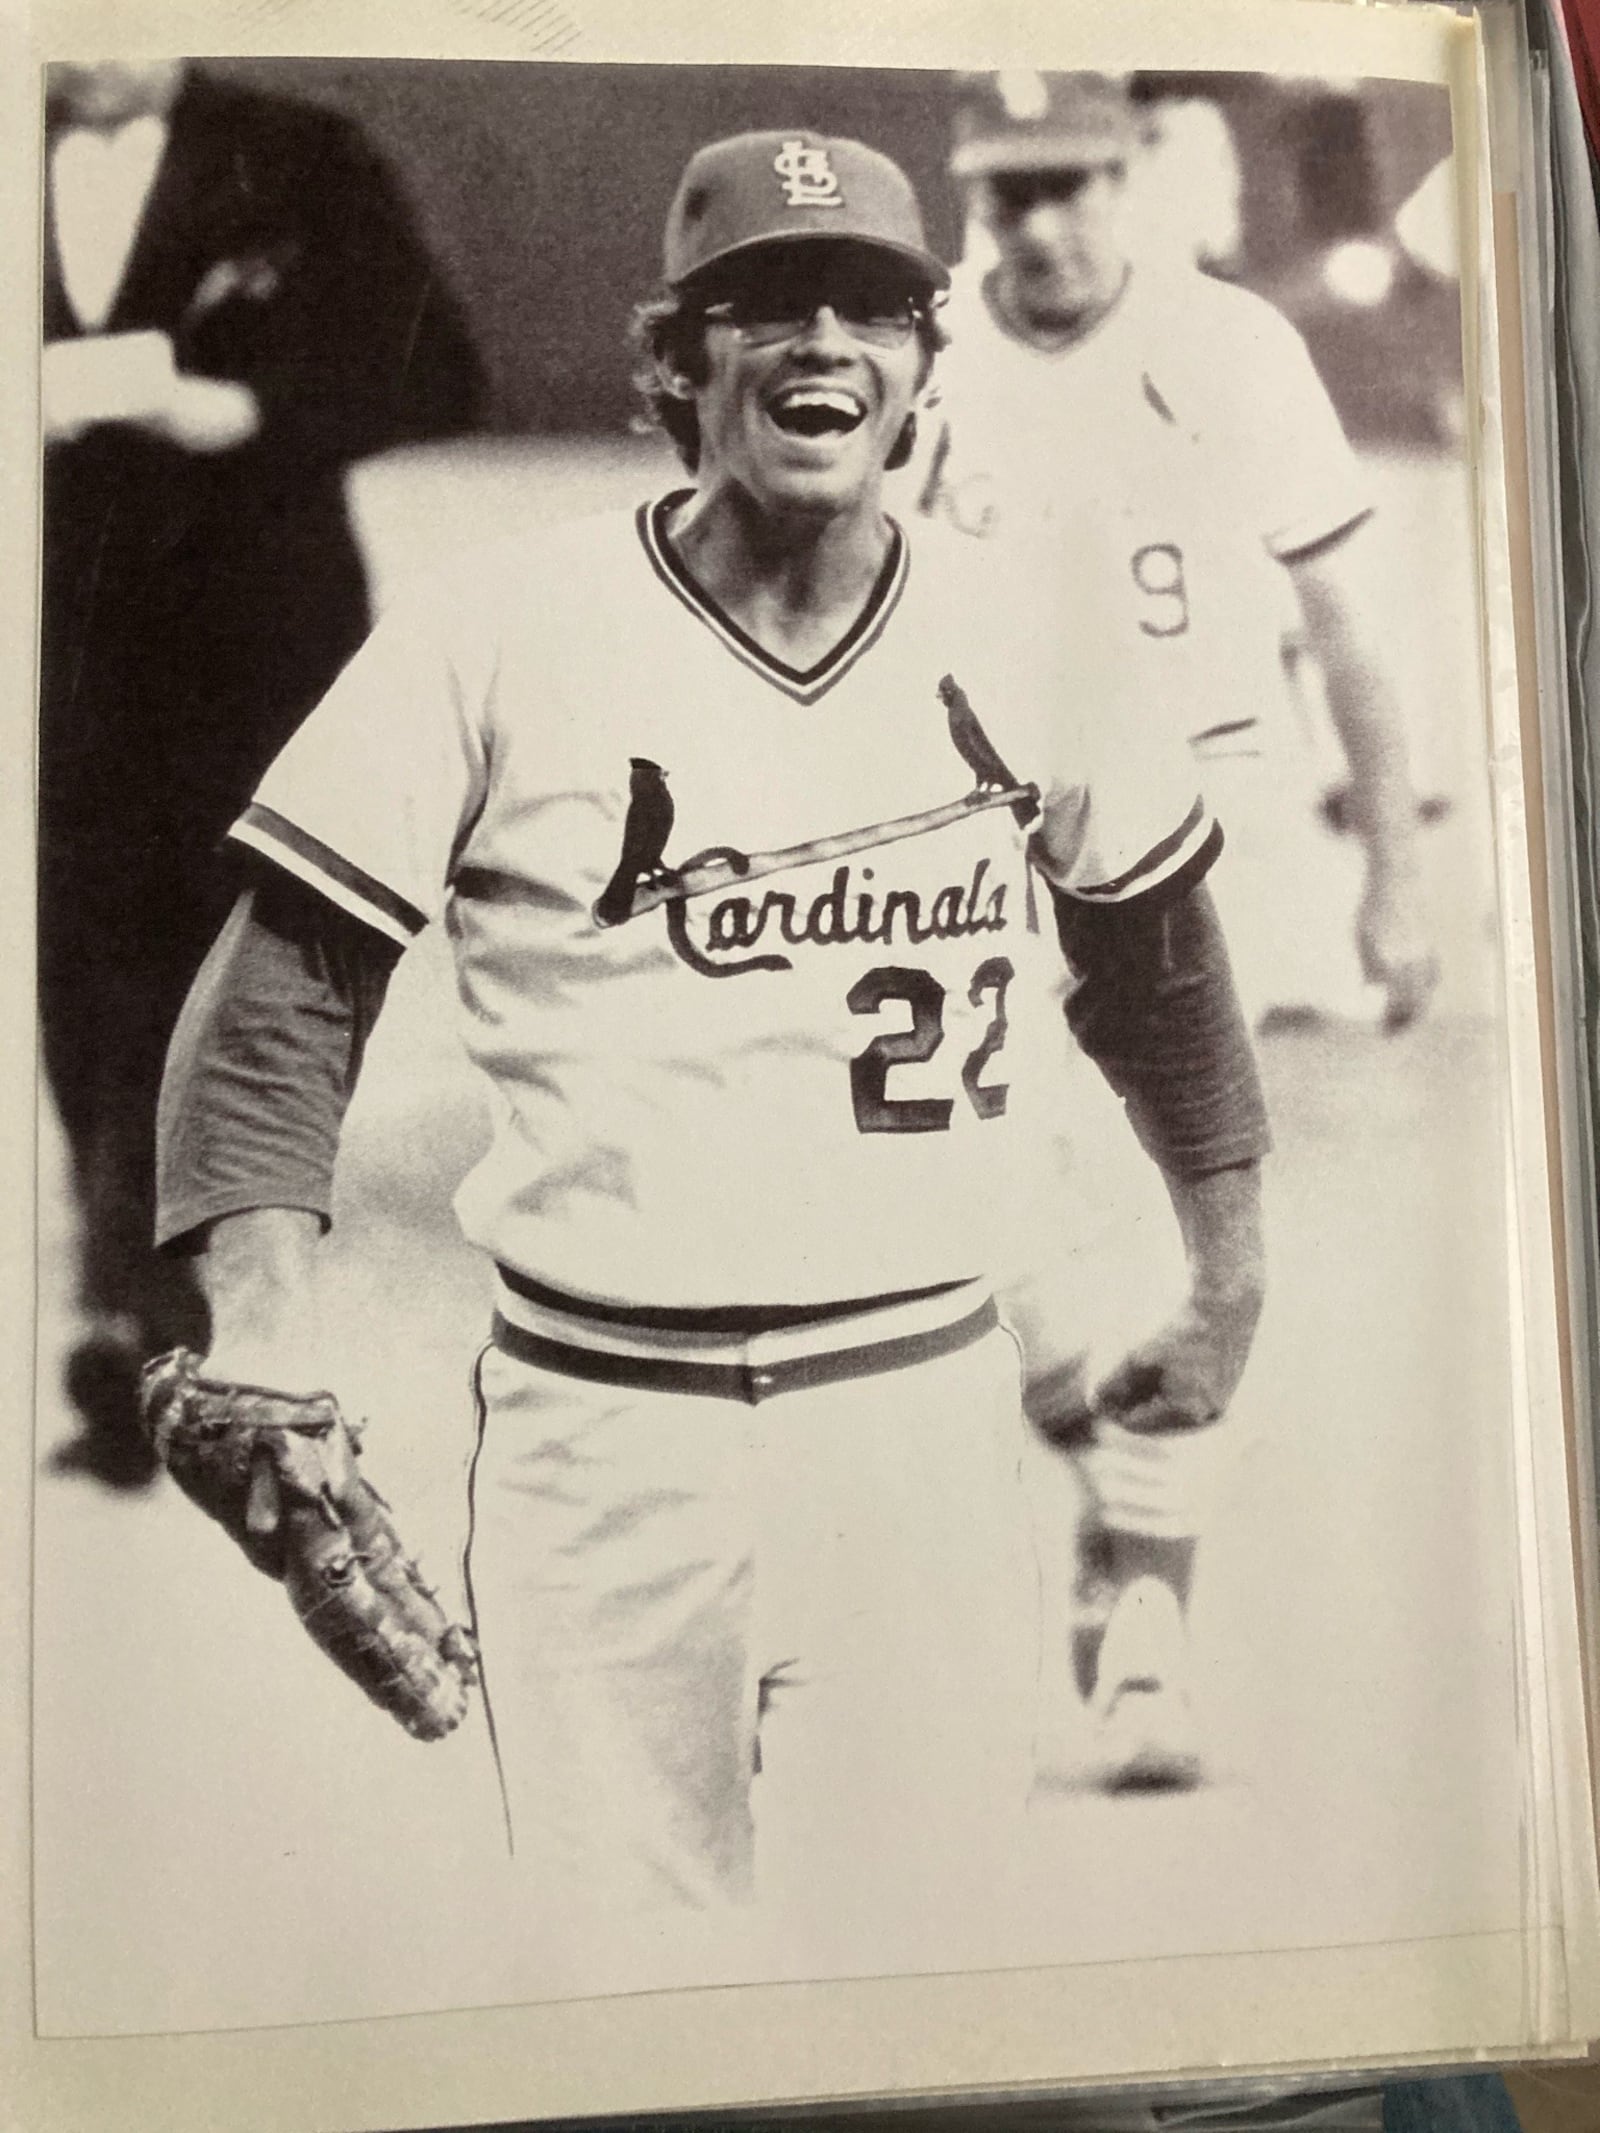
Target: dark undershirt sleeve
[1154, 1007]
[264, 1059]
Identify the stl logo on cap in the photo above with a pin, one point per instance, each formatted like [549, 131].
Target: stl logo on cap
[809, 178]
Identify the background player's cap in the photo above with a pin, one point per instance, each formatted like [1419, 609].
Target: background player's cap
[1024, 121]
[788, 187]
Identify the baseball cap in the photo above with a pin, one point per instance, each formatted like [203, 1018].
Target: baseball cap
[791, 187]
[1024, 121]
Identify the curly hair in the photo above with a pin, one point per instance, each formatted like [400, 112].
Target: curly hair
[667, 337]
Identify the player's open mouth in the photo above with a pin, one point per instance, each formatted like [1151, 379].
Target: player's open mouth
[816, 411]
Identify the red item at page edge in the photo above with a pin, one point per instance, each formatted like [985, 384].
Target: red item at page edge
[1583, 35]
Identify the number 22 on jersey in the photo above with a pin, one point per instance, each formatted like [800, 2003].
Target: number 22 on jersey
[876, 1111]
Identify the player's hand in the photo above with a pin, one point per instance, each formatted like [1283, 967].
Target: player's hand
[1394, 952]
[280, 1472]
[1183, 1376]
[1158, 1457]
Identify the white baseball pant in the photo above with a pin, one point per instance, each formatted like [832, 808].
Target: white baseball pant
[738, 1648]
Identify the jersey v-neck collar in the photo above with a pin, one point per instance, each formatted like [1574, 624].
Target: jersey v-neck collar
[806, 684]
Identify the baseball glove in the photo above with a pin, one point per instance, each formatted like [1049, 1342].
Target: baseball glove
[279, 1471]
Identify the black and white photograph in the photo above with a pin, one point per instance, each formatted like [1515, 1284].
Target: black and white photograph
[775, 1233]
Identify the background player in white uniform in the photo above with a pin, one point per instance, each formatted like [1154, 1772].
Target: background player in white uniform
[1095, 400]
[1182, 417]
[740, 812]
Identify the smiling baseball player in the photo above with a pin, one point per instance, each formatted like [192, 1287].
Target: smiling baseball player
[741, 812]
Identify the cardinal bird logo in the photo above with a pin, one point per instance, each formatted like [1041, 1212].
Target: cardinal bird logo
[644, 842]
[977, 751]
[644, 881]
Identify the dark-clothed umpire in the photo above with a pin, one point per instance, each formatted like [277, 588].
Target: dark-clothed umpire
[236, 308]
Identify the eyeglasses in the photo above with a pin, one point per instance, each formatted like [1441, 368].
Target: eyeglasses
[763, 317]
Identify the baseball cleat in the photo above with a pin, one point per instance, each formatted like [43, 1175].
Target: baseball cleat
[1146, 1736]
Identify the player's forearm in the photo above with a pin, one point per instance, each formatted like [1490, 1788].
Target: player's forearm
[258, 1272]
[1219, 1215]
[1366, 715]
[1391, 931]
[1382, 803]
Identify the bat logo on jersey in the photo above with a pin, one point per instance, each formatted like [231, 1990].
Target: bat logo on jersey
[849, 910]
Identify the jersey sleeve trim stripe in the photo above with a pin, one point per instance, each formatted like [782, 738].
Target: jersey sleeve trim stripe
[1183, 877]
[300, 854]
[1292, 547]
[1156, 895]
[1162, 859]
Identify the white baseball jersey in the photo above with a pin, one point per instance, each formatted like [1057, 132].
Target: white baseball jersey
[739, 948]
[1190, 427]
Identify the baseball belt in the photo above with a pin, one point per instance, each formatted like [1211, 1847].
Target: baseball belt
[748, 1381]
